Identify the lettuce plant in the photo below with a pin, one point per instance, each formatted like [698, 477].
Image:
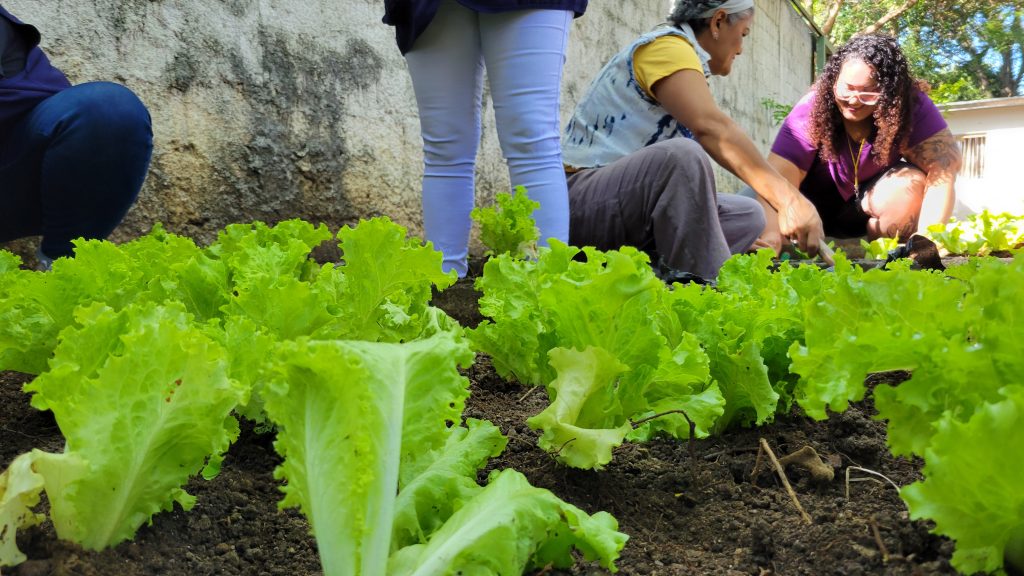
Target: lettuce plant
[375, 457]
[36, 306]
[509, 228]
[974, 486]
[143, 399]
[980, 234]
[588, 330]
[962, 408]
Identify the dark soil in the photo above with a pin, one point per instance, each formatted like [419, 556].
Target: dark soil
[684, 514]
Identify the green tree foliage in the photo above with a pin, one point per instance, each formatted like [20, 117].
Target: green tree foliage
[965, 49]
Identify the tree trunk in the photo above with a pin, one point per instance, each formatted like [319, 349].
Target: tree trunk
[894, 13]
[830, 19]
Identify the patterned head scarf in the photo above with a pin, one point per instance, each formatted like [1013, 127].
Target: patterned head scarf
[689, 10]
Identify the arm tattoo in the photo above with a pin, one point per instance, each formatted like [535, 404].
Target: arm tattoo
[902, 230]
[938, 156]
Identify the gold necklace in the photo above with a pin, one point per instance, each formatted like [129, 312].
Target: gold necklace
[856, 163]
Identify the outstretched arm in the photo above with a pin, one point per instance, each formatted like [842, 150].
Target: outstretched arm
[685, 94]
[939, 158]
[772, 236]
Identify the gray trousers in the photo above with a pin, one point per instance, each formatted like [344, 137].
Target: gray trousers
[662, 200]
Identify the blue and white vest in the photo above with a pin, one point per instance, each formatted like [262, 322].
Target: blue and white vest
[616, 117]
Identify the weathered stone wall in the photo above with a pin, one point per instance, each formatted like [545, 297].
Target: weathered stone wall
[272, 109]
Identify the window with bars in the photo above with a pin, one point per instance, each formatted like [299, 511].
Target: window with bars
[972, 148]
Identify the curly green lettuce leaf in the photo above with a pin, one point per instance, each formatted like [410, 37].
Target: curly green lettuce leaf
[516, 336]
[979, 234]
[285, 308]
[682, 382]
[349, 415]
[511, 526]
[725, 329]
[173, 399]
[969, 369]
[879, 248]
[607, 300]
[974, 483]
[35, 307]
[388, 280]
[20, 488]
[256, 250]
[872, 322]
[9, 262]
[509, 228]
[610, 302]
[432, 488]
[585, 419]
[955, 378]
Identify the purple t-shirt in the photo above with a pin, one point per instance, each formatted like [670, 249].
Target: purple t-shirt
[793, 144]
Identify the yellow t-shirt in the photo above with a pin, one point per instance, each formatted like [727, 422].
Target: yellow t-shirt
[661, 58]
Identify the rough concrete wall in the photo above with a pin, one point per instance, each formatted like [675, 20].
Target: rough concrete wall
[253, 101]
[272, 109]
[776, 63]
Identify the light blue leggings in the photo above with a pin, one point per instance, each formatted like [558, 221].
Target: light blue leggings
[523, 52]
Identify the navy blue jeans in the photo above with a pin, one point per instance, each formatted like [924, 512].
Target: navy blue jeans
[74, 165]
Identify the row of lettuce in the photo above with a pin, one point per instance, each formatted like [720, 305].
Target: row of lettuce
[615, 348]
[978, 234]
[624, 358]
[147, 351]
[359, 375]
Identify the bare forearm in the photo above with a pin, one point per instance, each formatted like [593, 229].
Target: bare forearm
[939, 156]
[938, 204]
[729, 147]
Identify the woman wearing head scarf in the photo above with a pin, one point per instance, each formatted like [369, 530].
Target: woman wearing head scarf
[868, 147]
[636, 150]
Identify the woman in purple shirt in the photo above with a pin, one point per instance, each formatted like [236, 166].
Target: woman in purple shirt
[447, 44]
[868, 147]
[72, 158]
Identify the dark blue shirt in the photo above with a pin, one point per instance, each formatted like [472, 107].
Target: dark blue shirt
[35, 82]
[411, 17]
[12, 49]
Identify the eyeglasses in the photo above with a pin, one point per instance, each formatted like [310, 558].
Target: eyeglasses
[843, 92]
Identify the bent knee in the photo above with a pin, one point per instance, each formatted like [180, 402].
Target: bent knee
[898, 183]
[683, 149]
[907, 176]
[527, 143]
[747, 212]
[111, 106]
[682, 155]
[753, 212]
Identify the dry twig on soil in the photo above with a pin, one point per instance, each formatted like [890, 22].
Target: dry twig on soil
[872, 472]
[782, 475]
[693, 433]
[808, 459]
[878, 539]
[527, 395]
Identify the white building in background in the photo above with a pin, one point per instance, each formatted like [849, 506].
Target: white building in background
[991, 136]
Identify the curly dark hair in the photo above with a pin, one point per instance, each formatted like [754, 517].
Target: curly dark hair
[687, 11]
[892, 114]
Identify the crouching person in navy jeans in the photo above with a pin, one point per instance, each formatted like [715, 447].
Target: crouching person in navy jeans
[72, 158]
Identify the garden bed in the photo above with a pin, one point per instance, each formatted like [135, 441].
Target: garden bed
[685, 513]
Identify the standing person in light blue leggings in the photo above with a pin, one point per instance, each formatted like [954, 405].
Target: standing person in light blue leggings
[521, 43]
